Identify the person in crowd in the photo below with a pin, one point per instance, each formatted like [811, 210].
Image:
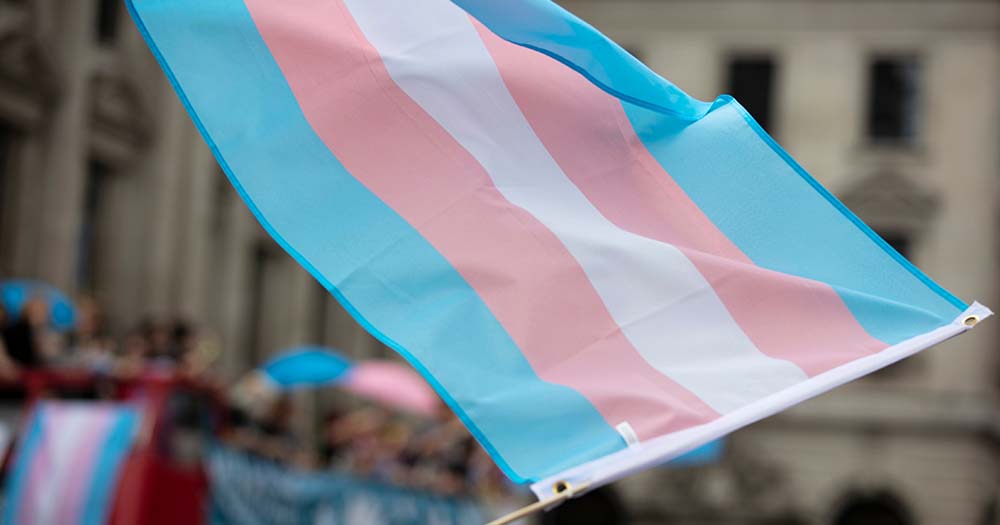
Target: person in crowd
[200, 351]
[391, 442]
[165, 345]
[24, 336]
[437, 456]
[134, 352]
[446, 456]
[8, 368]
[90, 347]
[183, 341]
[278, 441]
[159, 337]
[362, 431]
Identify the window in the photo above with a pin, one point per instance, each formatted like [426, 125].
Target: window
[4, 146]
[751, 81]
[635, 51]
[321, 326]
[879, 508]
[222, 193]
[90, 227]
[261, 262]
[893, 97]
[6, 183]
[899, 240]
[599, 507]
[269, 295]
[107, 21]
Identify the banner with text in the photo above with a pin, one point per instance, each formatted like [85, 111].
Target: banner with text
[251, 491]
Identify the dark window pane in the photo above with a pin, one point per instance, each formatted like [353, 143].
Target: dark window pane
[222, 192]
[90, 234]
[257, 314]
[600, 507]
[269, 285]
[898, 240]
[893, 98]
[107, 20]
[321, 311]
[873, 509]
[634, 51]
[5, 136]
[751, 81]
[6, 180]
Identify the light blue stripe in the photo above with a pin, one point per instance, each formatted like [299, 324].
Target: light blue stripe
[18, 479]
[388, 276]
[784, 220]
[108, 467]
[545, 27]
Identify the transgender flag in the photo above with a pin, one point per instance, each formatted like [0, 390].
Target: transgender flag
[68, 463]
[596, 271]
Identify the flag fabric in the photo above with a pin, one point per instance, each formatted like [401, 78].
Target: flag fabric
[68, 463]
[596, 271]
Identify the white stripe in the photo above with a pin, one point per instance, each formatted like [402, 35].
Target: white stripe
[659, 299]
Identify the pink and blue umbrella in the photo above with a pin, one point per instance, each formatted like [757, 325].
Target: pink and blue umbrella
[389, 383]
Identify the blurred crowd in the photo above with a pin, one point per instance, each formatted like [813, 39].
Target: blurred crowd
[28, 340]
[431, 454]
[435, 454]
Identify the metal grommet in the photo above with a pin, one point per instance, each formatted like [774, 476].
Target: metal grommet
[560, 486]
[971, 320]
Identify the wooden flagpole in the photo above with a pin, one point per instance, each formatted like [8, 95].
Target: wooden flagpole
[563, 491]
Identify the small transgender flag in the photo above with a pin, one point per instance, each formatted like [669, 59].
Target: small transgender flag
[67, 465]
[596, 271]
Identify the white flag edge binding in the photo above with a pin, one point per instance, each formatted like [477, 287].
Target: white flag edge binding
[644, 455]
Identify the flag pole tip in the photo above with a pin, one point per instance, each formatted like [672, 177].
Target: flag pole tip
[563, 491]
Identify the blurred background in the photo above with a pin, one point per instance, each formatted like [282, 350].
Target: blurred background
[108, 193]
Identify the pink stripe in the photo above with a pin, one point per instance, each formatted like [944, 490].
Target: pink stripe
[590, 137]
[40, 464]
[75, 487]
[82, 470]
[531, 283]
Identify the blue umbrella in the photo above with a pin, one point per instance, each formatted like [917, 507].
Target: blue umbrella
[710, 452]
[15, 293]
[306, 366]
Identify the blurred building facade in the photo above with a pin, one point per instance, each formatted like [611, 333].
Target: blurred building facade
[107, 189]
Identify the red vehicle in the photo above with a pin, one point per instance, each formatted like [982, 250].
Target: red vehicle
[163, 480]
